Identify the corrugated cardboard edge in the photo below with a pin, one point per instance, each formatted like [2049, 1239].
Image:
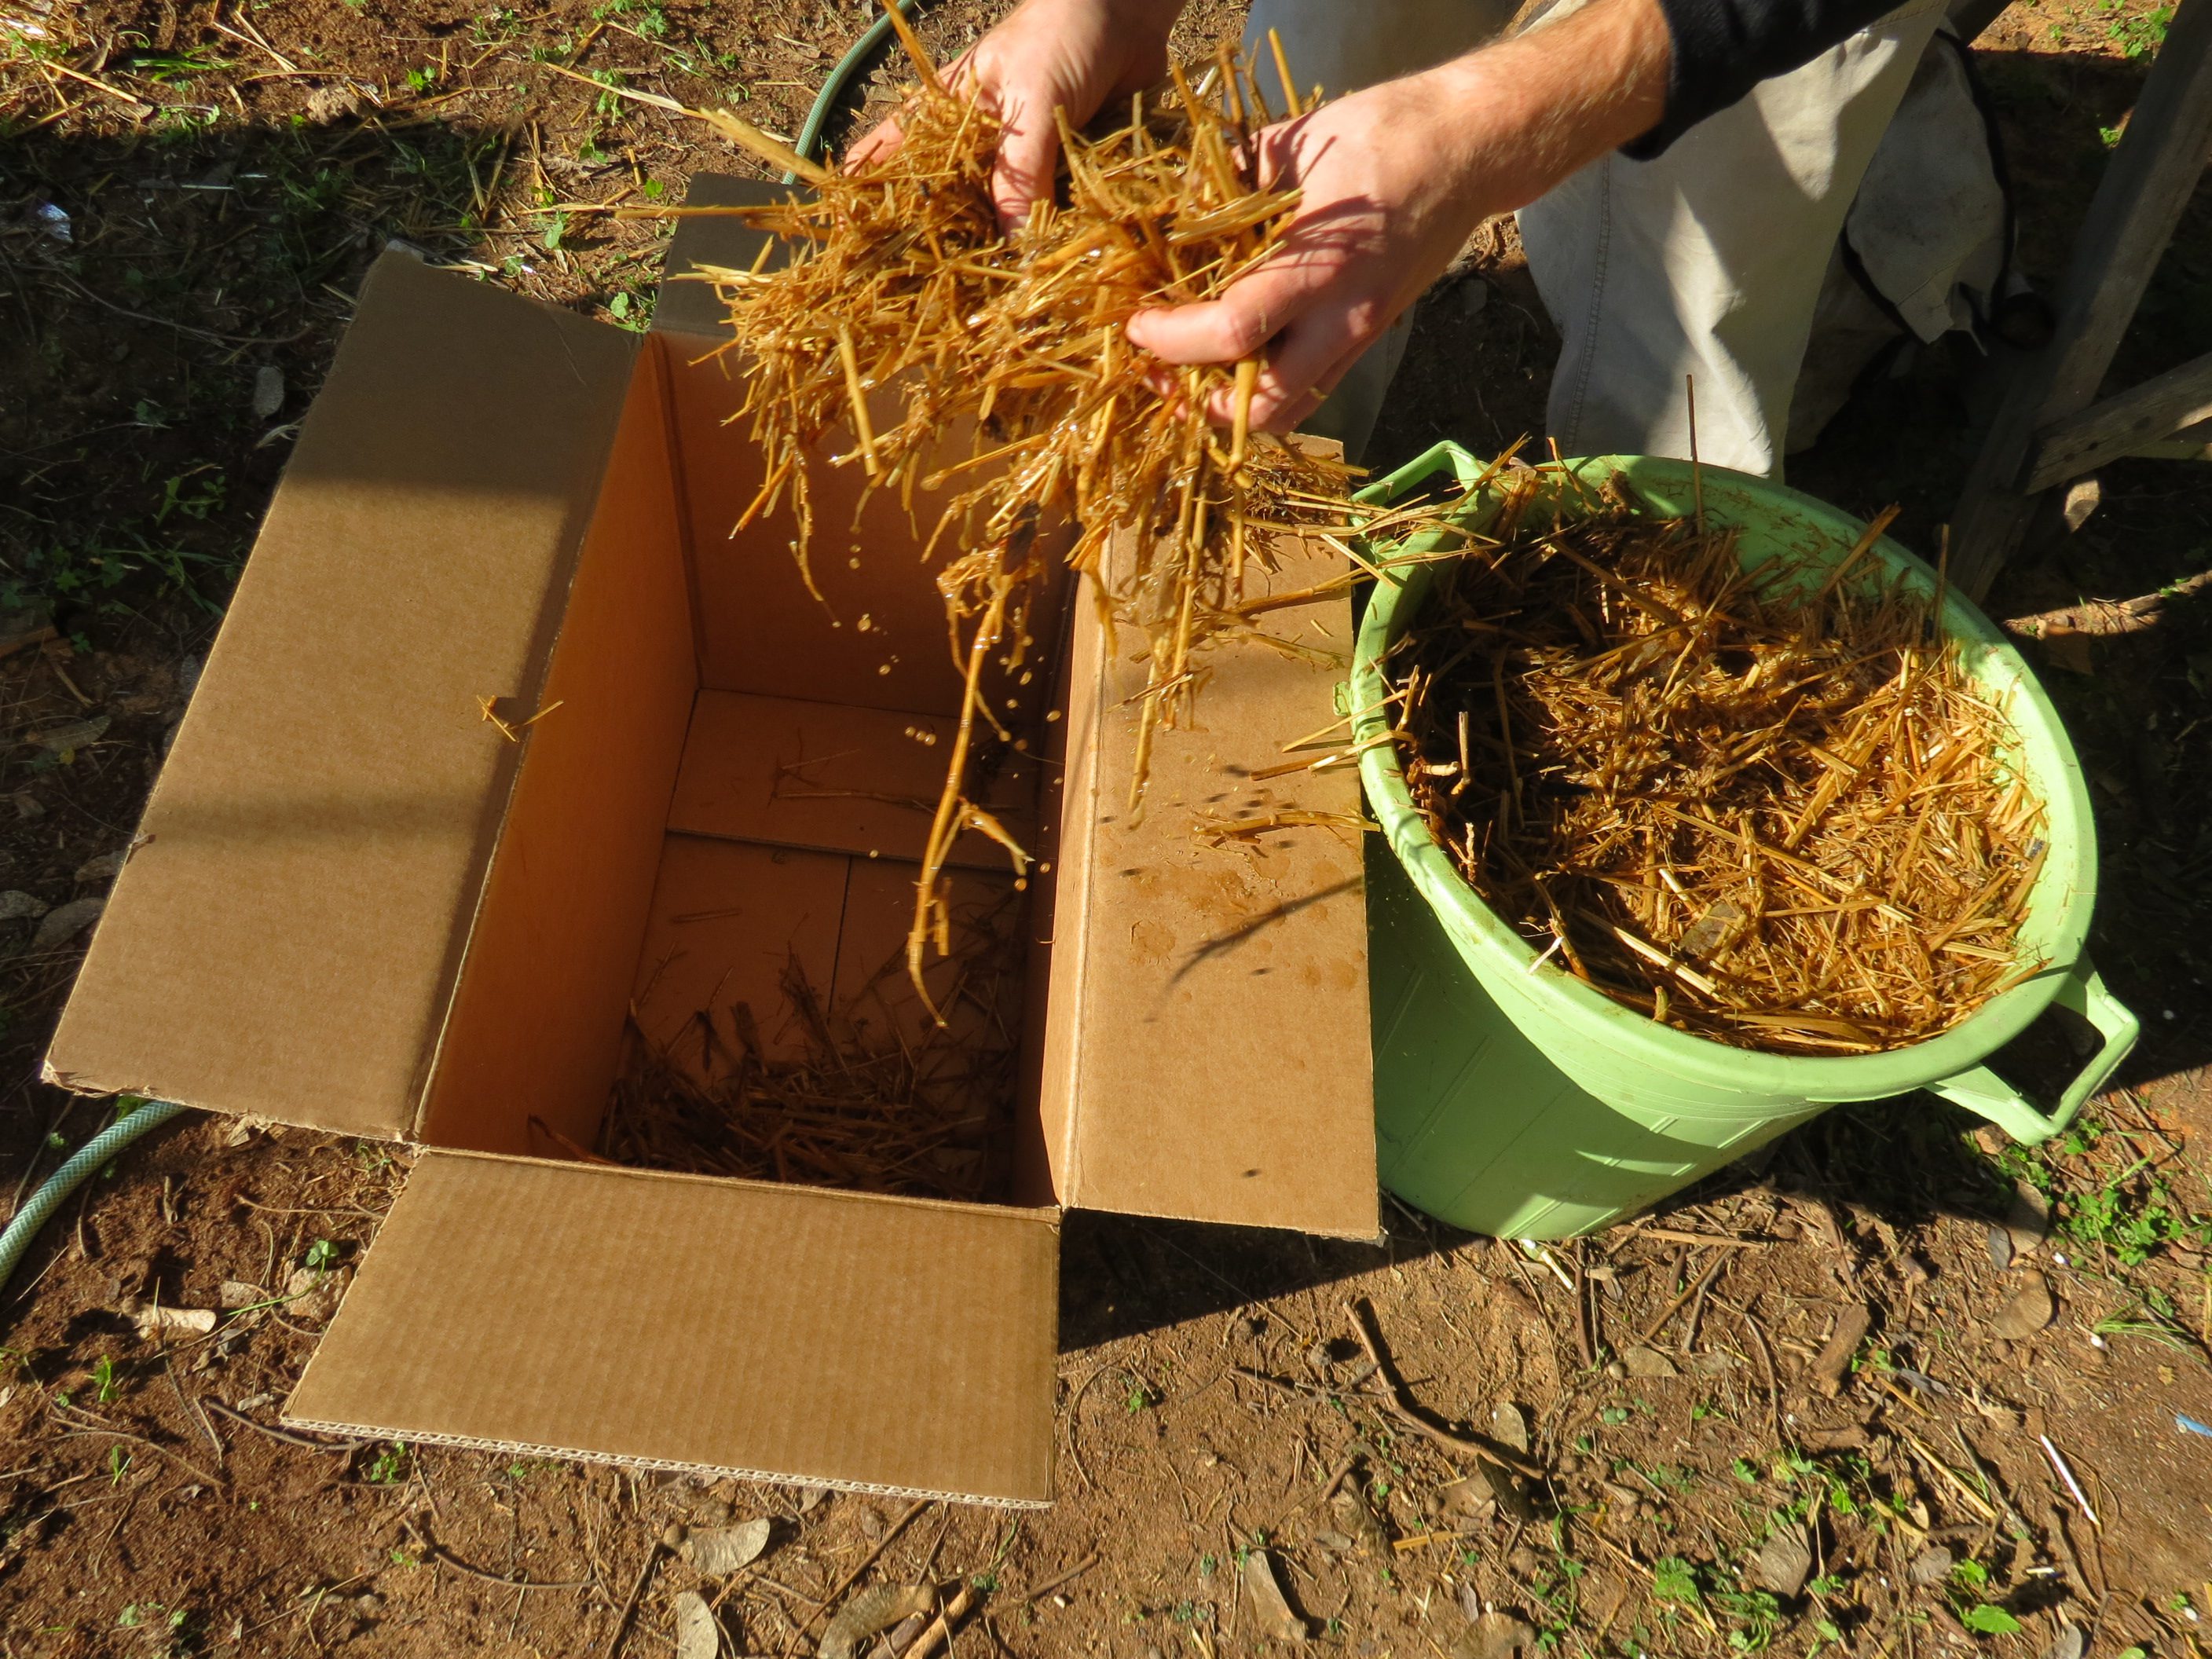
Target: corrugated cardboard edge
[570, 1454]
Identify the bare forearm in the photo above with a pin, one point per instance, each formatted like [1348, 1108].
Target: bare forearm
[1532, 109]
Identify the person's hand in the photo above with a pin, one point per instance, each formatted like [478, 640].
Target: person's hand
[1393, 179]
[1075, 55]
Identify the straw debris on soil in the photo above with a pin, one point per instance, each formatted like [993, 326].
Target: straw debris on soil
[1020, 405]
[1767, 807]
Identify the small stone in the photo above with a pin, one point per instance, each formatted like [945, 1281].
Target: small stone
[673, 1535]
[268, 391]
[1524, 1561]
[2026, 1310]
[1496, 1635]
[235, 1293]
[254, 1402]
[1474, 296]
[1783, 1564]
[871, 1524]
[1931, 1566]
[1509, 1426]
[2070, 1643]
[328, 104]
[1615, 1369]
[1649, 1363]
[2083, 497]
[26, 805]
[18, 906]
[368, 1604]
[1335, 1543]
[64, 922]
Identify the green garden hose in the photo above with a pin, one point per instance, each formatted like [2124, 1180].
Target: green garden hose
[809, 135]
[92, 1155]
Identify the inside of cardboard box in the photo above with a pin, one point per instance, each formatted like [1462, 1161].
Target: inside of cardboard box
[690, 952]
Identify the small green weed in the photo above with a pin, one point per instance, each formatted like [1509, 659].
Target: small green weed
[390, 1464]
[104, 1382]
[322, 1255]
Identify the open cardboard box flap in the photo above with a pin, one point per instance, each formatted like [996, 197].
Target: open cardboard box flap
[684, 1322]
[285, 937]
[358, 905]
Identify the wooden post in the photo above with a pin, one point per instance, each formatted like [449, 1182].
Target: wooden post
[2146, 185]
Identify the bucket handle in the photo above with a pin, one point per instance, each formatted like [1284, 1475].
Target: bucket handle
[1442, 457]
[1983, 1092]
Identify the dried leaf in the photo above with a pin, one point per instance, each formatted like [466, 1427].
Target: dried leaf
[2070, 1644]
[64, 922]
[2027, 1223]
[16, 906]
[1509, 1426]
[1277, 1622]
[2026, 1310]
[77, 734]
[870, 1611]
[697, 1635]
[717, 1552]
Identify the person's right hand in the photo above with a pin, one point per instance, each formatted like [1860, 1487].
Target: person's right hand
[1075, 55]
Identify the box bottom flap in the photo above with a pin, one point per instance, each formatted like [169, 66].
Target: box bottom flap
[780, 1333]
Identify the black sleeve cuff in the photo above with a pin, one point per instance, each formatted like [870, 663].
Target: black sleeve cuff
[1721, 49]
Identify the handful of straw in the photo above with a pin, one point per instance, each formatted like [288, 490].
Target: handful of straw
[1019, 403]
[1764, 807]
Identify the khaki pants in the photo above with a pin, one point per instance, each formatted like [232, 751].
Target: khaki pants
[1705, 262]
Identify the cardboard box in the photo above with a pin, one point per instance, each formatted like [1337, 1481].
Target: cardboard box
[357, 905]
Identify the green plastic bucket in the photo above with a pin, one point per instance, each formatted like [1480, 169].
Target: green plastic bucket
[1511, 1099]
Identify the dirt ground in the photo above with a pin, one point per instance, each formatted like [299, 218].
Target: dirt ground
[1842, 1397]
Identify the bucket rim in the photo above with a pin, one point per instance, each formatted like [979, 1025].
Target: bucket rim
[1588, 1014]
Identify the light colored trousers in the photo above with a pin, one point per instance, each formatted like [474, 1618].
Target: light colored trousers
[1705, 261]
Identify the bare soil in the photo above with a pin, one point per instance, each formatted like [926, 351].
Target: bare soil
[189, 194]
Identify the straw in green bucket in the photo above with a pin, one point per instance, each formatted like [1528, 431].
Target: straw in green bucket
[1513, 1099]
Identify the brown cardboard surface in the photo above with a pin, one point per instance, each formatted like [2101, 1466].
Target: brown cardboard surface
[284, 940]
[734, 1326]
[729, 919]
[798, 773]
[537, 1022]
[1208, 1018]
[760, 629]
